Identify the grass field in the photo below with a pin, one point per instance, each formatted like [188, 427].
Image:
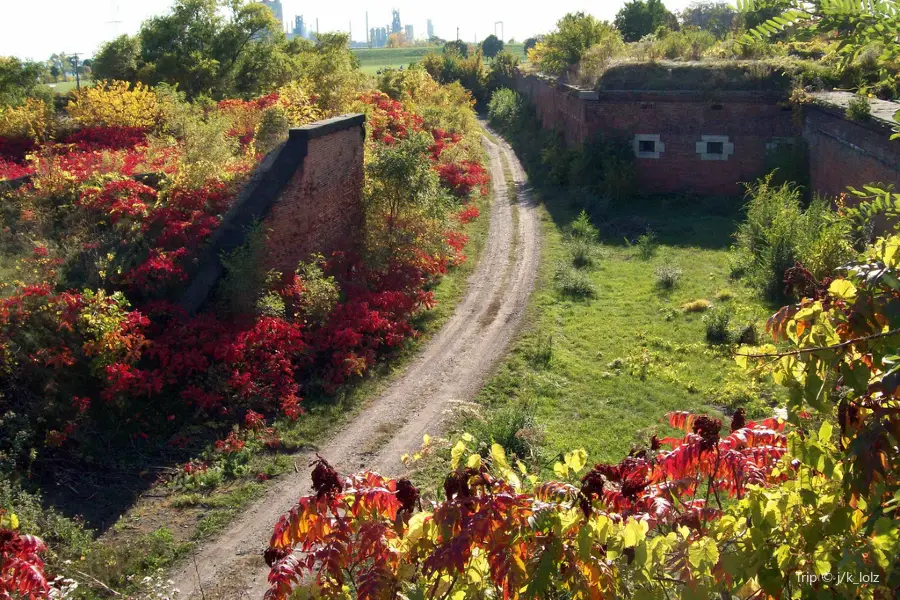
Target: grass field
[64, 87]
[602, 372]
[373, 59]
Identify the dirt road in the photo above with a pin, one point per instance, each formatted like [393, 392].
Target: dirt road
[451, 367]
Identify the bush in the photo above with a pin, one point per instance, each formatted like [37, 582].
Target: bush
[778, 233]
[667, 276]
[583, 229]
[647, 245]
[115, 103]
[584, 253]
[859, 109]
[575, 284]
[504, 108]
[514, 427]
[717, 322]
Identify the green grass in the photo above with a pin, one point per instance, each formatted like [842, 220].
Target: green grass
[373, 59]
[64, 87]
[620, 361]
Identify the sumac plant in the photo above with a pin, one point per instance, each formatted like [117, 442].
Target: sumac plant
[21, 566]
[621, 529]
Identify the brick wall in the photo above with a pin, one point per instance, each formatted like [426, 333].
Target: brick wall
[753, 123]
[320, 209]
[308, 195]
[843, 152]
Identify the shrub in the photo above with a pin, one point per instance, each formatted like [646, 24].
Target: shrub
[778, 233]
[311, 294]
[859, 109]
[717, 322]
[667, 276]
[504, 107]
[647, 245]
[272, 129]
[574, 283]
[574, 36]
[695, 306]
[513, 426]
[32, 120]
[584, 253]
[115, 103]
[747, 334]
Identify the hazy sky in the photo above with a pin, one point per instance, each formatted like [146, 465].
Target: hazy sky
[37, 28]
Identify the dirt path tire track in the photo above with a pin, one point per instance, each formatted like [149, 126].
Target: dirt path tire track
[452, 366]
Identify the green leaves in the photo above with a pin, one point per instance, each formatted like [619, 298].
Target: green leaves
[703, 554]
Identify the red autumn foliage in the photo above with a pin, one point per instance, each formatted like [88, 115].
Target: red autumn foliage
[468, 214]
[21, 567]
[327, 537]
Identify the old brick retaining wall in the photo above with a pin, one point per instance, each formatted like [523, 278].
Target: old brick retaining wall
[307, 194]
[710, 142]
[844, 152]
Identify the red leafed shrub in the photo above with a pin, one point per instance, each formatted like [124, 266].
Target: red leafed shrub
[15, 149]
[13, 170]
[389, 120]
[363, 532]
[106, 138]
[461, 178]
[21, 567]
[468, 214]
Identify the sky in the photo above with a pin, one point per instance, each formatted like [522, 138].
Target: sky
[35, 29]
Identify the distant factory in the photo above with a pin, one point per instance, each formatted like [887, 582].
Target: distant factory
[393, 34]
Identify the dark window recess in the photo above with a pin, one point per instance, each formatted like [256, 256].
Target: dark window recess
[646, 106]
[646, 146]
[717, 107]
[715, 147]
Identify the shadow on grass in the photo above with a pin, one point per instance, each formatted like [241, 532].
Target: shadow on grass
[677, 220]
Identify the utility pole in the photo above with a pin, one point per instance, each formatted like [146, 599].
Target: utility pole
[74, 60]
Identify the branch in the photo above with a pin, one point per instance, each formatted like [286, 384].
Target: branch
[840, 346]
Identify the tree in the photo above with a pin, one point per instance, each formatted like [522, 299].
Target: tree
[200, 45]
[531, 43]
[457, 47]
[642, 17]
[715, 17]
[20, 79]
[575, 33]
[492, 46]
[118, 59]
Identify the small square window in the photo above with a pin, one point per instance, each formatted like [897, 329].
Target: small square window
[646, 146]
[715, 147]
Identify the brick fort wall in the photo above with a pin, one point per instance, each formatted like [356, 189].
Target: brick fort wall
[320, 209]
[710, 143]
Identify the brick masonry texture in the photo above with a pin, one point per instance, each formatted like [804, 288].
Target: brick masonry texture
[308, 195]
[844, 152]
[841, 152]
[320, 209]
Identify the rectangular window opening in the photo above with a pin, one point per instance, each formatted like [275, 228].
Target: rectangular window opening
[646, 146]
[715, 147]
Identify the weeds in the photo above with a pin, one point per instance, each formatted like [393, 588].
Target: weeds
[647, 244]
[667, 276]
[717, 322]
[575, 284]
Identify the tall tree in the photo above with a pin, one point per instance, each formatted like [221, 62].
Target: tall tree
[118, 59]
[20, 79]
[715, 17]
[641, 17]
[492, 46]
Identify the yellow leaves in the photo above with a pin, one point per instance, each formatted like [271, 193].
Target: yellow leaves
[703, 554]
[843, 289]
[474, 461]
[634, 533]
[498, 454]
[9, 521]
[889, 251]
[116, 104]
[297, 104]
[31, 120]
[573, 461]
[456, 453]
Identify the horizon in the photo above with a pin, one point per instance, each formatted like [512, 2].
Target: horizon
[83, 28]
